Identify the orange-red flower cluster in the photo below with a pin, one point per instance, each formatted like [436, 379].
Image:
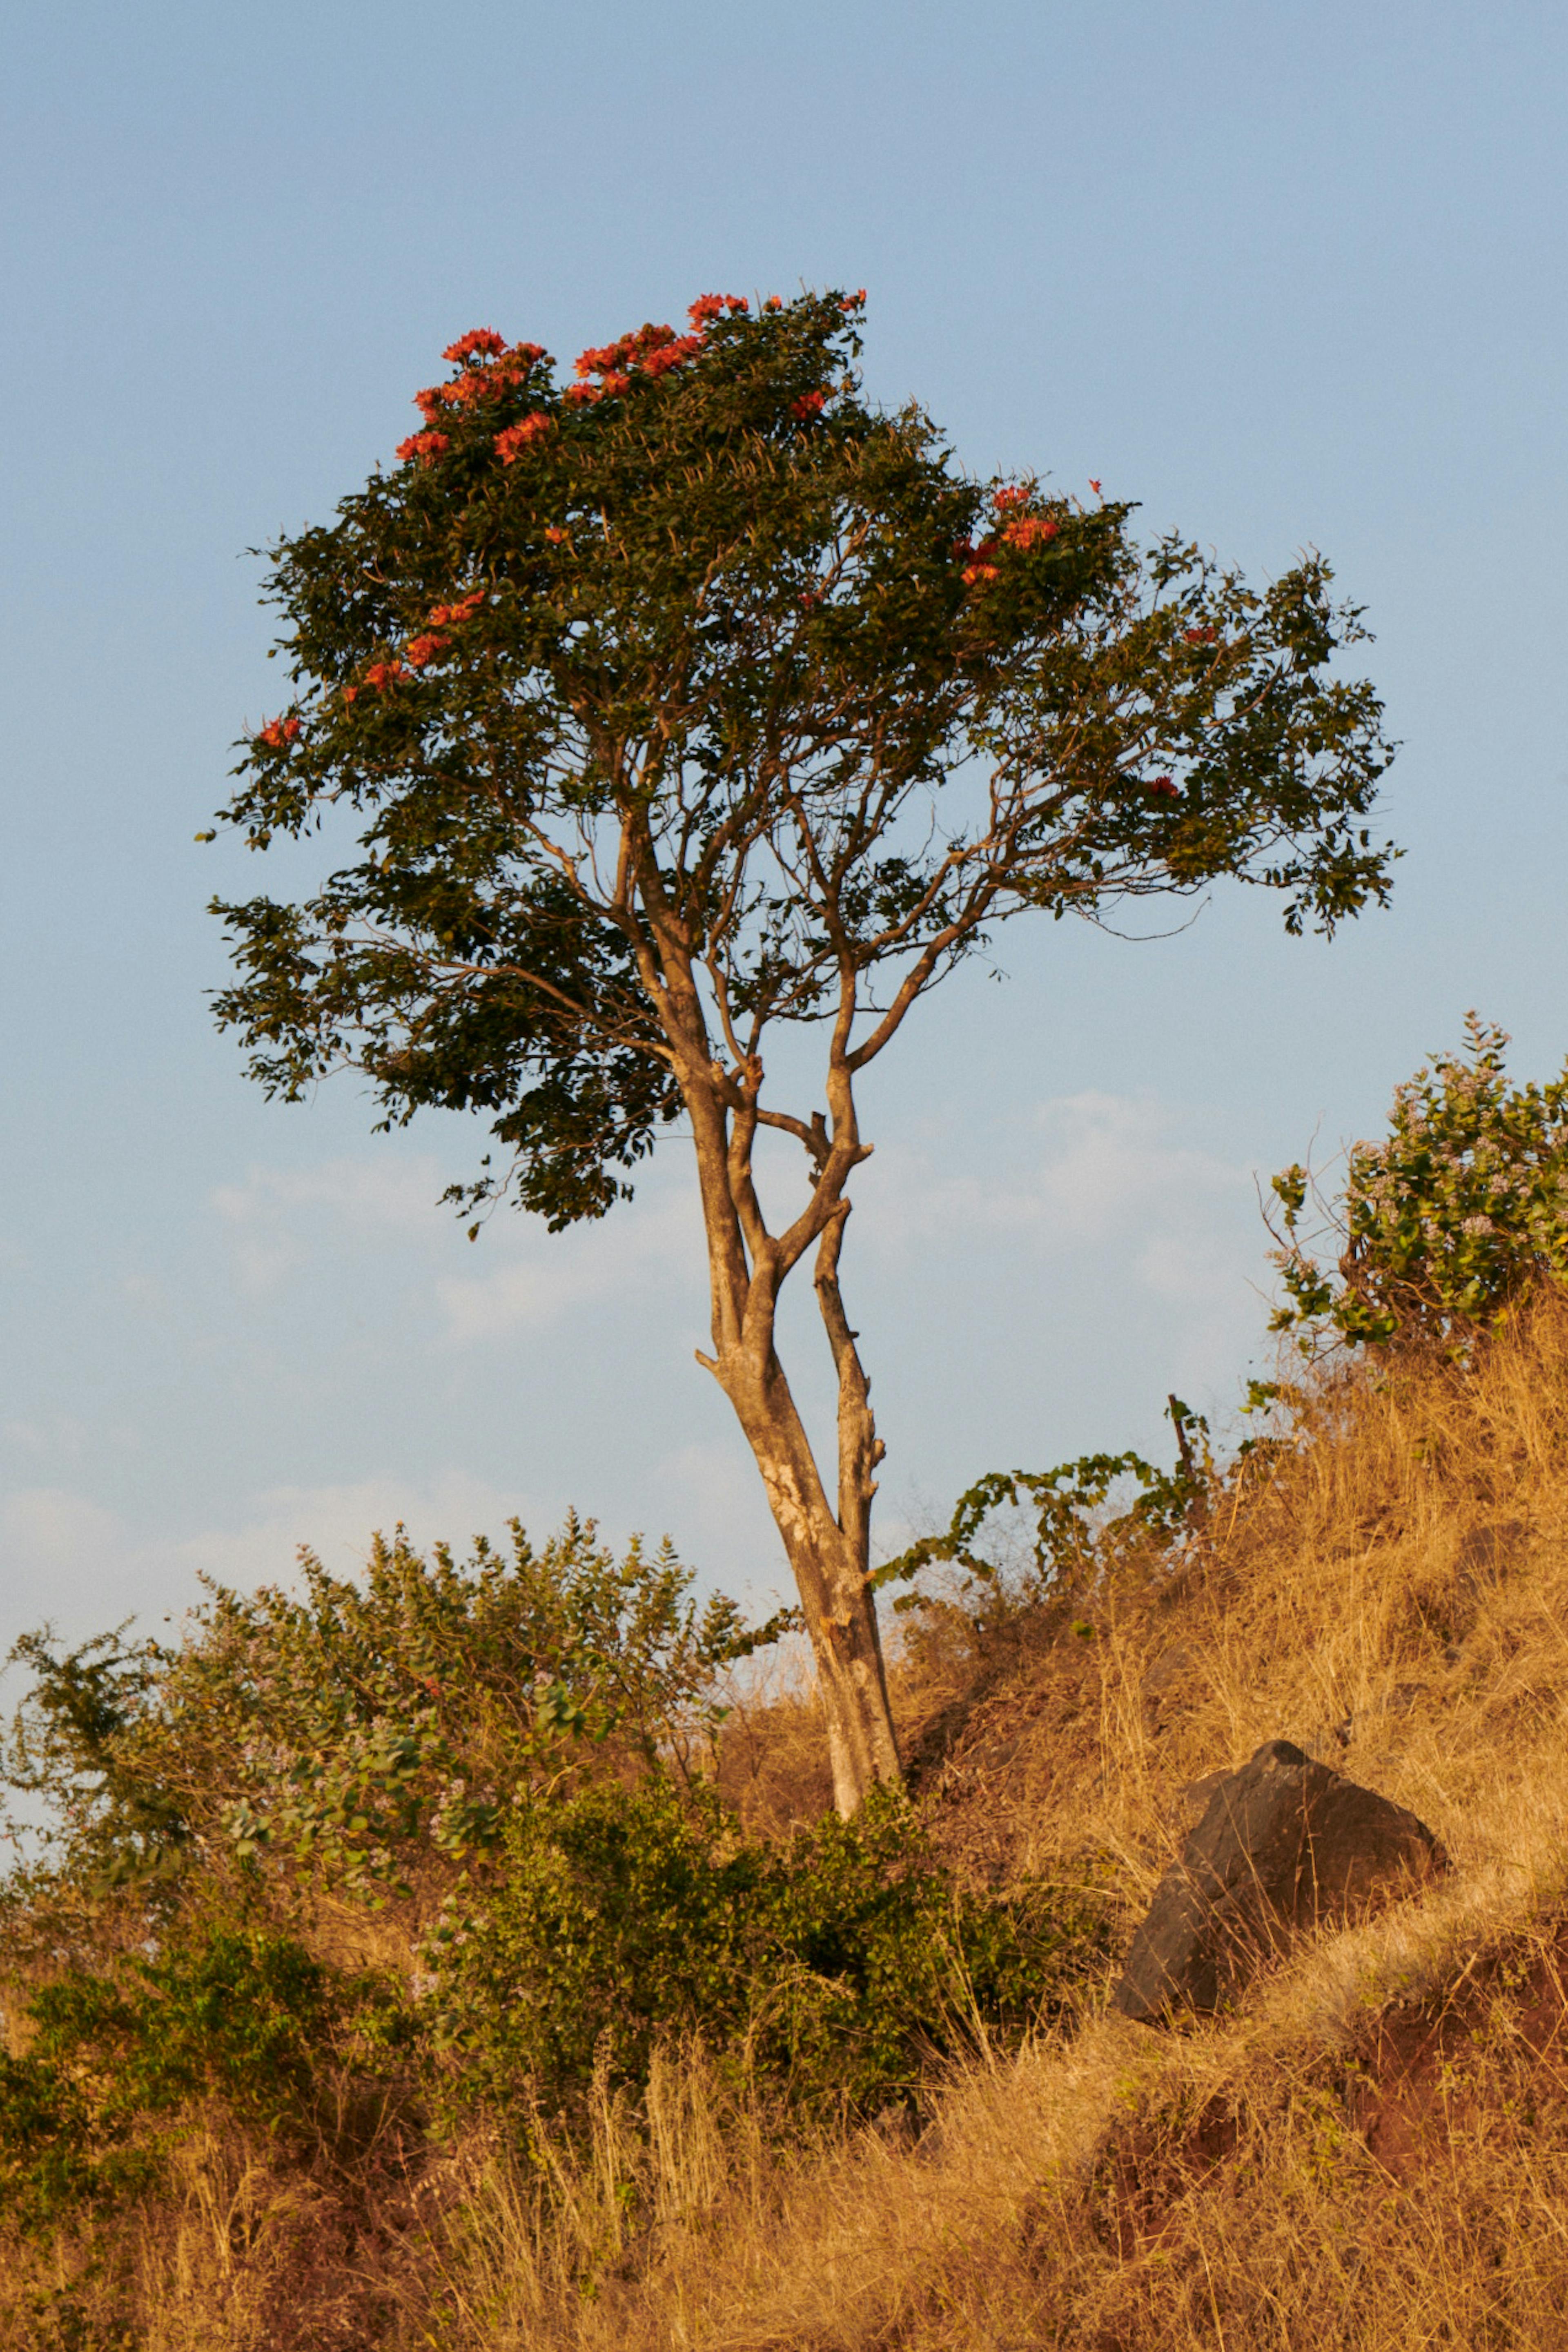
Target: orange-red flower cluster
[1163, 788]
[810, 404]
[446, 616]
[1011, 495]
[429, 642]
[672, 354]
[713, 306]
[607, 356]
[651, 350]
[979, 562]
[518, 437]
[854, 301]
[1094, 485]
[381, 674]
[425, 446]
[485, 366]
[480, 342]
[469, 390]
[554, 534]
[1023, 532]
[1204, 637]
[277, 732]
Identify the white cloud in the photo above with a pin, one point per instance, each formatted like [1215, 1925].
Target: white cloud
[1108, 1157]
[1102, 1163]
[337, 1523]
[653, 1241]
[277, 1214]
[711, 1490]
[72, 1560]
[50, 1529]
[146, 1291]
[1098, 1197]
[61, 1433]
[524, 1277]
[1188, 1269]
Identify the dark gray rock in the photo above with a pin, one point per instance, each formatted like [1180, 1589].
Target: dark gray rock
[1284, 1845]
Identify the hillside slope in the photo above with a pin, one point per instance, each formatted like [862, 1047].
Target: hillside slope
[1374, 2153]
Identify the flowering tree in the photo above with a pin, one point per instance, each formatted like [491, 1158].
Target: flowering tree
[1461, 1206]
[696, 701]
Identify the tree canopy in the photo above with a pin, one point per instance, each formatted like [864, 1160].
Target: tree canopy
[856, 706]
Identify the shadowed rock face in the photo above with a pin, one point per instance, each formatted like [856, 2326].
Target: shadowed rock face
[1284, 1845]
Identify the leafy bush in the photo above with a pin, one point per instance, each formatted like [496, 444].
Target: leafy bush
[369, 1729]
[73, 1746]
[1459, 1209]
[509, 1756]
[1087, 1515]
[226, 2013]
[830, 1972]
[833, 1967]
[46, 2151]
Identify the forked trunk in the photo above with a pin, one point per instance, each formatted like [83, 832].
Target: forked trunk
[831, 1566]
[829, 1548]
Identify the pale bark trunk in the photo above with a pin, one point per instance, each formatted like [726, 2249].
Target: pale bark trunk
[829, 1548]
[831, 1564]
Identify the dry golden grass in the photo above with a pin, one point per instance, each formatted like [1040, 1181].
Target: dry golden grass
[1400, 1578]
[1374, 2154]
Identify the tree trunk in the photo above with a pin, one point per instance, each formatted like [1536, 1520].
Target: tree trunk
[828, 1551]
[831, 1563]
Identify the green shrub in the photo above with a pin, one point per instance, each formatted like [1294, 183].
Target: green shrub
[1459, 1209]
[226, 2014]
[511, 1750]
[1020, 1538]
[834, 1965]
[367, 1729]
[831, 1970]
[51, 2156]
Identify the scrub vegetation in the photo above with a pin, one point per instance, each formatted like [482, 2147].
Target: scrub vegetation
[469, 1954]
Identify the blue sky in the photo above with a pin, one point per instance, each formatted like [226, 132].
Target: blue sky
[1288, 274]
